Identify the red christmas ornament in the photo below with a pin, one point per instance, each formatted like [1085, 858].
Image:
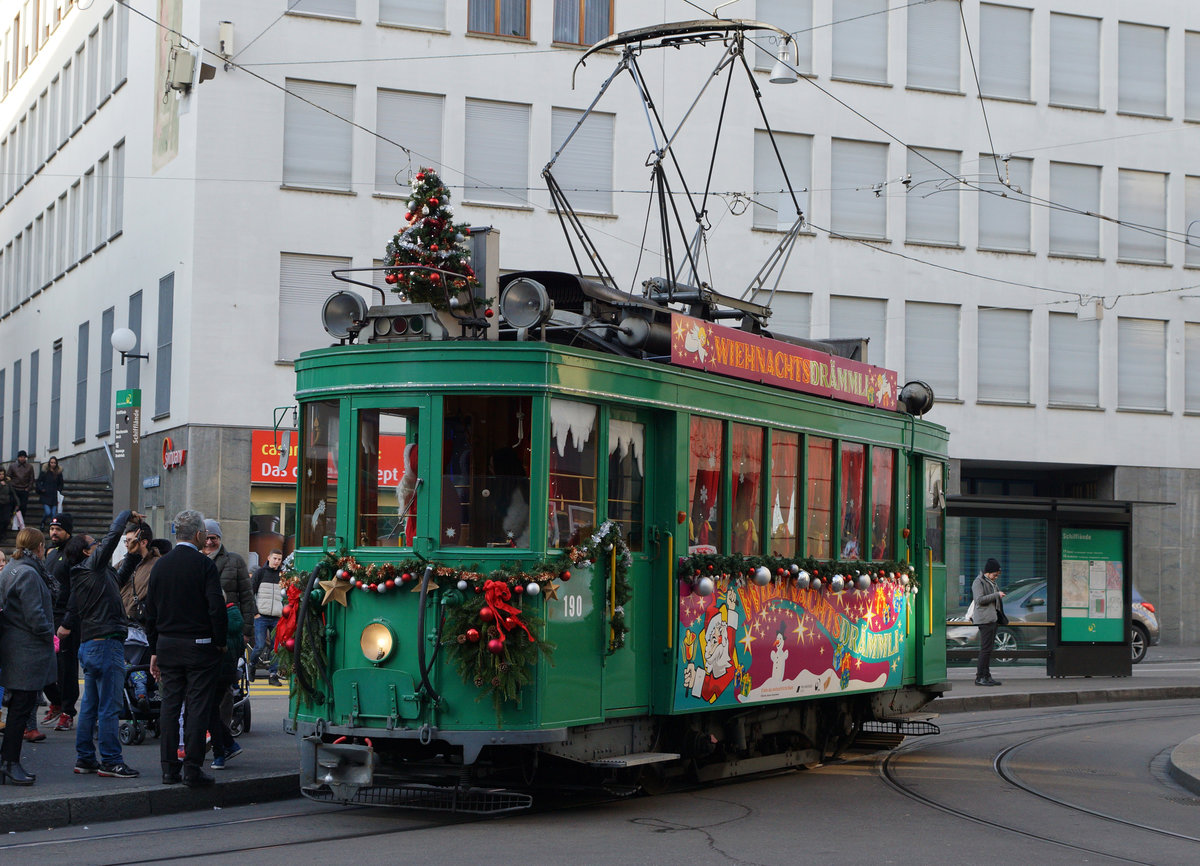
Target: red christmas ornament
[433, 202]
[287, 608]
[391, 279]
[433, 247]
[510, 623]
[566, 575]
[496, 646]
[488, 312]
[408, 216]
[391, 584]
[291, 644]
[433, 278]
[473, 635]
[406, 577]
[420, 175]
[486, 614]
[518, 589]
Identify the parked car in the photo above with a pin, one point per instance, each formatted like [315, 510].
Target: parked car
[1026, 601]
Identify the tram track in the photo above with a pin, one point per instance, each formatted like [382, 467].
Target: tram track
[1002, 768]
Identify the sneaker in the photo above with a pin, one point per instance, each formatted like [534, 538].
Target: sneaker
[86, 765]
[51, 714]
[65, 723]
[274, 680]
[34, 736]
[218, 763]
[252, 671]
[118, 771]
[234, 752]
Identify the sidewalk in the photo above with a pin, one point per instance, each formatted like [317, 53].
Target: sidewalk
[266, 770]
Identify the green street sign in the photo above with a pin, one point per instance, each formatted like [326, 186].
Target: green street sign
[129, 398]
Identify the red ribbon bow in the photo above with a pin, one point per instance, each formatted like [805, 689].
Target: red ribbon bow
[496, 593]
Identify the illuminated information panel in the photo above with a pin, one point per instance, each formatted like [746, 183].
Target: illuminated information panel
[1093, 585]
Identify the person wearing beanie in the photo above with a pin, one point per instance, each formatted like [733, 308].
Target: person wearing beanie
[988, 605]
[237, 589]
[61, 712]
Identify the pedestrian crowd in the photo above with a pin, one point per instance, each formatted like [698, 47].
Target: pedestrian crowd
[183, 614]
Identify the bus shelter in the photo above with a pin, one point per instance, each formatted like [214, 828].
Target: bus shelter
[1066, 569]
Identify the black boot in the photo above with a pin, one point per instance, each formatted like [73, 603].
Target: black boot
[12, 771]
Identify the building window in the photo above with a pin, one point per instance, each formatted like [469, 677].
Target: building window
[573, 468]
[93, 80]
[774, 207]
[318, 472]
[499, 17]
[166, 329]
[1191, 85]
[55, 393]
[1003, 355]
[118, 188]
[34, 364]
[317, 146]
[121, 67]
[931, 346]
[1142, 69]
[81, 384]
[103, 207]
[105, 405]
[861, 317]
[1141, 363]
[859, 173]
[1074, 61]
[794, 16]
[16, 418]
[791, 312]
[414, 119]
[1191, 360]
[415, 13]
[1074, 360]
[1004, 51]
[106, 56]
[1191, 216]
[387, 510]
[74, 226]
[497, 152]
[582, 22]
[1004, 209]
[1142, 209]
[66, 118]
[860, 37]
[931, 203]
[934, 45]
[87, 213]
[333, 8]
[1076, 188]
[133, 369]
[627, 479]
[585, 167]
[304, 284]
[3, 373]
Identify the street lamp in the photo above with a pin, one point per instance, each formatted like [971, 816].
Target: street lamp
[124, 341]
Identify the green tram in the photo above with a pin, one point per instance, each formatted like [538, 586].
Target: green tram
[631, 547]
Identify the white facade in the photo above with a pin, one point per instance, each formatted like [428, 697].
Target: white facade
[971, 284]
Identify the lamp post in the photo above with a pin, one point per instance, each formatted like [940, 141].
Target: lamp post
[127, 434]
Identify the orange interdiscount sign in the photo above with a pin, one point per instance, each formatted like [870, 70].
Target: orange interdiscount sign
[730, 352]
[266, 446]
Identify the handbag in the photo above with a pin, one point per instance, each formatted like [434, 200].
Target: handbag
[18, 521]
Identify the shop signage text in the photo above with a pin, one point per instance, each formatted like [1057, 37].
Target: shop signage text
[172, 458]
[267, 468]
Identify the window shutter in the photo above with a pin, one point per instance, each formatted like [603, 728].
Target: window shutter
[497, 152]
[419, 13]
[934, 42]
[105, 400]
[858, 167]
[304, 284]
[1004, 51]
[1075, 186]
[791, 312]
[1191, 86]
[317, 147]
[1142, 69]
[1142, 208]
[133, 370]
[81, 382]
[585, 168]
[1074, 360]
[340, 8]
[414, 120]
[1191, 358]
[861, 317]
[794, 16]
[166, 331]
[1191, 216]
[1074, 61]
[931, 346]
[1004, 355]
[55, 394]
[860, 36]
[773, 207]
[931, 203]
[1141, 363]
[1004, 213]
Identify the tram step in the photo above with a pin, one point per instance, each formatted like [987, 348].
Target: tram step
[910, 717]
[636, 759]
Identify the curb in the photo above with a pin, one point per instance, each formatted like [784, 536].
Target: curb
[38, 813]
[978, 703]
[1184, 766]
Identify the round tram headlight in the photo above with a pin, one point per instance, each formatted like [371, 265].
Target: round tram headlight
[382, 326]
[525, 303]
[378, 642]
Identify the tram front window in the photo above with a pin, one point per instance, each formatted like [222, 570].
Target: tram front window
[485, 471]
[318, 473]
[388, 483]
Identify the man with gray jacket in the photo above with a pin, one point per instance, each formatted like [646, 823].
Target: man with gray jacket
[986, 595]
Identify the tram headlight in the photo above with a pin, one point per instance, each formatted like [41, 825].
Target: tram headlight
[524, 303]
[378, 642]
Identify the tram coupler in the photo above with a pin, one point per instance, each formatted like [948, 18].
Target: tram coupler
[343, 767]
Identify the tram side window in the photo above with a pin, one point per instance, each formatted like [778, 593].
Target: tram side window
[387, 477]
[485, 471]
[626, 479]
[785, 449]
[746, 484]
[707, 446]
[853, 472]
[572, 505]
[318, 473]
[819, 533]
[883, 489]
[935, 504]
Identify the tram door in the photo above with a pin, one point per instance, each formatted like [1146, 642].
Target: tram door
[630, 496]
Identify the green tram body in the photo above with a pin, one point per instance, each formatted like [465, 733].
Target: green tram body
[374, 734]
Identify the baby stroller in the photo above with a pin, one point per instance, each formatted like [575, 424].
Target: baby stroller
[136, 720]
[240, 722]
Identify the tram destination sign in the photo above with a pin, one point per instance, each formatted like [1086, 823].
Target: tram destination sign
[730, 352]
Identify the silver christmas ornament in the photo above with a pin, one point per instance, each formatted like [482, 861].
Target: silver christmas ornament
[762, 575]
[705, 586]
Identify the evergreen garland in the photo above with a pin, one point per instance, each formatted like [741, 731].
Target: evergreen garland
[741, 568]
[599, 550]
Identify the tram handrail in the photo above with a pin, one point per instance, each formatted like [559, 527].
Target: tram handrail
[1011, 624]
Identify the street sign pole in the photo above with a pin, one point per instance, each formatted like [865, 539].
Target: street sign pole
[126, 450]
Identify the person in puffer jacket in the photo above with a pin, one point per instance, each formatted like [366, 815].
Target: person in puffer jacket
[270, 608]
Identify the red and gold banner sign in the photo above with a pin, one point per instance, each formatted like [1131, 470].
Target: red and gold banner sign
[730, 352]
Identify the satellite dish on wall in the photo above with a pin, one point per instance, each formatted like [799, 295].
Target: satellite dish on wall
[343, 314]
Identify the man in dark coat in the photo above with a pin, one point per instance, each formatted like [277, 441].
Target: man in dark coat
[20, 476]
[186, 629]
[63, 714]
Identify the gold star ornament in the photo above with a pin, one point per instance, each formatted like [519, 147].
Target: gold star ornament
[335, 590]
[552, 590]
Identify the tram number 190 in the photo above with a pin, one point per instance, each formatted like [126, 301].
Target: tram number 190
[572, 606]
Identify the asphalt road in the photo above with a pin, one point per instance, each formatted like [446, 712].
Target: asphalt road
[1047, 786]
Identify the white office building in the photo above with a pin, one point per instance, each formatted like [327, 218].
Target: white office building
[1002, 196]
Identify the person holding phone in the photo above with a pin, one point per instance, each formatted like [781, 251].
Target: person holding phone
[986, 614]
